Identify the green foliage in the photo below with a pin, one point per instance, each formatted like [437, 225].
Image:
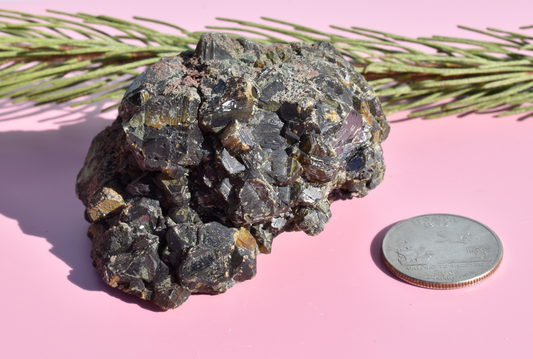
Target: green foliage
[89, 58]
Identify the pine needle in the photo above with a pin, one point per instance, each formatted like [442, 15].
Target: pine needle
[67, 57]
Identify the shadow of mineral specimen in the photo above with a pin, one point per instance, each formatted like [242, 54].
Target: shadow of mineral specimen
[218, 150]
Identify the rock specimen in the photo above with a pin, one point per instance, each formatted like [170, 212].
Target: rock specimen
[218, 150]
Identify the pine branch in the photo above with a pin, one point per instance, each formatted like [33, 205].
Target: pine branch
[52, 59]
[85, 58]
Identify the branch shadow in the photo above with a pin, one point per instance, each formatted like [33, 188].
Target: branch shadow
[525, 117]
[59, 114]
[404, 119]
[404, 115]
[38, 173]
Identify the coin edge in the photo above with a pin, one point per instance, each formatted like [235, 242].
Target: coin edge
[434, 285]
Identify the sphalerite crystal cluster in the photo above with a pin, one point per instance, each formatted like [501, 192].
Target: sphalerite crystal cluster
[217, 151]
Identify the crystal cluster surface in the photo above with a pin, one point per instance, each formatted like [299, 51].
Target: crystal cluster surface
[218, 150]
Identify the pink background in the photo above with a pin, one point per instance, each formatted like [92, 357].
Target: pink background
[328, 296]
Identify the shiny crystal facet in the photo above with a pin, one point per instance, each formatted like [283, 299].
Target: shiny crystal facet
[217, 151]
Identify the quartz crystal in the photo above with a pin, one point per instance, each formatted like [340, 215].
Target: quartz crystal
[217, 151]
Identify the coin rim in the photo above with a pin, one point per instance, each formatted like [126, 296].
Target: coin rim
[440, 285]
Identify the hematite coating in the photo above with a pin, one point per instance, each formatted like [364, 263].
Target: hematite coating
[215, 152]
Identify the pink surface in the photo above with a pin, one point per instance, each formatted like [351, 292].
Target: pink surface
[328, 296]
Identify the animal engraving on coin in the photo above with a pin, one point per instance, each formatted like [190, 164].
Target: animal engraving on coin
[409, 257]
[441, 251]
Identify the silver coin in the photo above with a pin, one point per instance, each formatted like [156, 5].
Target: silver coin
[441, 251]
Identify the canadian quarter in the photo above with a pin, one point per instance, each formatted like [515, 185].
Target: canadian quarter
[441, 251]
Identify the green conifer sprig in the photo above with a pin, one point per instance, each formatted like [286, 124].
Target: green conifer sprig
[90, 58]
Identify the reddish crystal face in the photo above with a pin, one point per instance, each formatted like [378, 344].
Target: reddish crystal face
[217, 151]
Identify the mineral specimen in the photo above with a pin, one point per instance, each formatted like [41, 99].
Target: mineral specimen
[217, 151]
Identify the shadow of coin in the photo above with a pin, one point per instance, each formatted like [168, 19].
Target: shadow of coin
[375, 251]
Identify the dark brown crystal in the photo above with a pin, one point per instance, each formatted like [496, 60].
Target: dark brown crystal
[217, 151]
